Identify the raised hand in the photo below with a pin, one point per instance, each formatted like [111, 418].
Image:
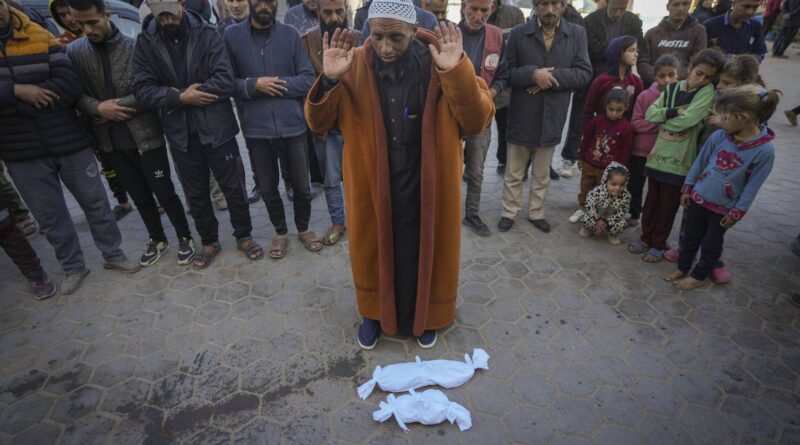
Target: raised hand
[450, 47]
[337, 53]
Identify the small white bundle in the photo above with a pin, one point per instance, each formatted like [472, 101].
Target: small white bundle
[402, 377]
[431, 407]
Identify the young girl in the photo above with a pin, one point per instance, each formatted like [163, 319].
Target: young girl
[681, 111]
[621, 56]
[607, 204]
[607, 138]
[725, 178]
[644, 132]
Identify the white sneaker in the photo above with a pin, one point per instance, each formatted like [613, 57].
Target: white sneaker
[614, 240]
[585, 233]
[576, 217]
[566, 169]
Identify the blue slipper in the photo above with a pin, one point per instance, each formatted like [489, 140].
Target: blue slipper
[637, 247]
[655, 255]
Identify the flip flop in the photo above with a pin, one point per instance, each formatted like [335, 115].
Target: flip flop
[310, 240]
[331, 238]
[253, 251]
[203, 259]
[654, 256]
[277, 248]
[637, 247]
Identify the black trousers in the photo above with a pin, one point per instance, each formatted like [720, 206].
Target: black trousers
[293, 153]
[114, 183]
[16, 245]
[144, 175]
[703, 232]
[501, 118]
[636, 184]
[769, 22]
[784, 39]
[570, 150]
[225, 162]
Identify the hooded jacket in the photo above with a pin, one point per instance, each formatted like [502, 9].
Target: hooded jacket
[597, 35]
[684, 43]
[608, 80]
[601, 205]
[67, 36]
[33, 56]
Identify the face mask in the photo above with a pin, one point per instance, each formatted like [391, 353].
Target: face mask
[170, 31]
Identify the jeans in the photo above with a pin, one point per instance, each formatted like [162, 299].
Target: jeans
[704, 232]
[329, 154]
[39, 183]
[518, 157]
[144, 175]
[224, 161]
[12, 199]
[295, 154]
[475, 150]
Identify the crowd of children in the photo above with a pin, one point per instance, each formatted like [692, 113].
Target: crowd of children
[700, 143]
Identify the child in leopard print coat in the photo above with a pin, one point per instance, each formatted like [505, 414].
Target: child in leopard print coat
[607, 204]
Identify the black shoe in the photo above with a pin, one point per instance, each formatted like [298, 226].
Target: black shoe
[253, 196]
[186, 251]
[475, 223]
[541, 224]
[505, 224]
[427, 339]
[501, 169]
[368, 333]
[554, 174]
[120, 212]
[152, 252]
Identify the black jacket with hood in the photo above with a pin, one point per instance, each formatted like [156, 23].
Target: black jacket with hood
[155, 83]
[684, 43]
[597, 36]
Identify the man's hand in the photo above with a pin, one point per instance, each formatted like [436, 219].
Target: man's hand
[534, 90]
[271, 86]
[35, 96]
[337, 54]
[727, 222]
[685, 200]
[110, 111]
[544, 78]
[450, 47]
[196, 98]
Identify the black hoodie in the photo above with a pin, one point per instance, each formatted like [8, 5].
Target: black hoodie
[684, 43]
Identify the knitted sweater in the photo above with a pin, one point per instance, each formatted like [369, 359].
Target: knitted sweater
[606, 141]
[645, 132]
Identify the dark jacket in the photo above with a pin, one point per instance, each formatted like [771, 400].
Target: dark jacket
[144, 126]
[597, 35]
[33, 56]
[683, 43]
[792, 7]
[281, 55]
[155, 83]
[573, 16]
[506, 17]
[226, 23]
[747, 39]
[538, 120]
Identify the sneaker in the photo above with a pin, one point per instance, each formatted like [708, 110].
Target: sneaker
[721, 275]
[427, 339]
[501, 169]
[566, 169]
[505, 224]
[121, 212]
[553, 175]
[791, 117]
[72, 282]
[576, 217]
[614, 240]
[368, 333]
[221, 204]
[42, 287]
[475, 223]
[152, 252]
[253, 196]
[185, 251]
[125, 266]
[585, 233]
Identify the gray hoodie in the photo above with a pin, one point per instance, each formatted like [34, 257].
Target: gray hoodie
[684, 43]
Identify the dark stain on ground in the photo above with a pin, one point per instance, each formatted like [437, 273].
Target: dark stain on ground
[31, 381]
[239, 402]
[278, 394]
[188, 418]
[346, 366]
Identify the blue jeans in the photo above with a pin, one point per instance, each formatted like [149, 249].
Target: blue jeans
[329, 154]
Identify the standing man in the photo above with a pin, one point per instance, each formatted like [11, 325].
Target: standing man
[59, 11]
[483, 44]
[791, 24]
[272, 75]
[678, 34]
[403, 102]
[547, 60]
[42, 144]
[180, 69]
[131, 140]
[303, 16]
[238, 9]
[737, 32]
[332, 16]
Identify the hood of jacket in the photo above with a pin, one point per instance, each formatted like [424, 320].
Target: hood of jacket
[614, 165]
[614, 53]
[688, 23]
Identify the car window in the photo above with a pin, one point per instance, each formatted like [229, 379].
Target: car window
[128, 27]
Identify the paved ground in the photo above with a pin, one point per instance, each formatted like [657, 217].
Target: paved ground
[587, 344]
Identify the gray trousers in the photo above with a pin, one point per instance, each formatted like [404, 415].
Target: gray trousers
[39, 184]
[475, 150]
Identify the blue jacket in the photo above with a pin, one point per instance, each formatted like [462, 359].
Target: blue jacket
[792, 7]
[281, 55]
[726, 176]
[749, 39]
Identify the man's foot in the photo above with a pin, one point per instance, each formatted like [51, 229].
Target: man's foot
[120, 211]
[221, 204]
[585, 233]
[253, 196]
[721, 275]
[688, 283]
[427, 339]
[42, 287]
[152, 252]
[674, 275]
[554, 175]
[613, 240]
[505, 224]
[501, 169]
[475, 223]
[125, 266]
[576, 217]
[791, 117]
[566, 170]
[72, 282]
[795, 300]
[334, 234]
[27, 226]
[368, 333]
[186, 251]
[541, 224]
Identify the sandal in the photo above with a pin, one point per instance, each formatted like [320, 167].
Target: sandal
[253, 250]
[330, 238]
[653, 255]
[310, 240]
[27, 226]
[637, 247]
[277, 248]
[203, 259]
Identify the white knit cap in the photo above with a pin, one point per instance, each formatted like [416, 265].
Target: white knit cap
[402, 10]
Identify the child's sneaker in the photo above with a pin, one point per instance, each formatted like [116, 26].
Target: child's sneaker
[186, 251]
[584, 233]
[41, 286]
[576, 217]
[672, 255]
[721, 275]
[614, 240]
[152, 252]
[566, 169]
